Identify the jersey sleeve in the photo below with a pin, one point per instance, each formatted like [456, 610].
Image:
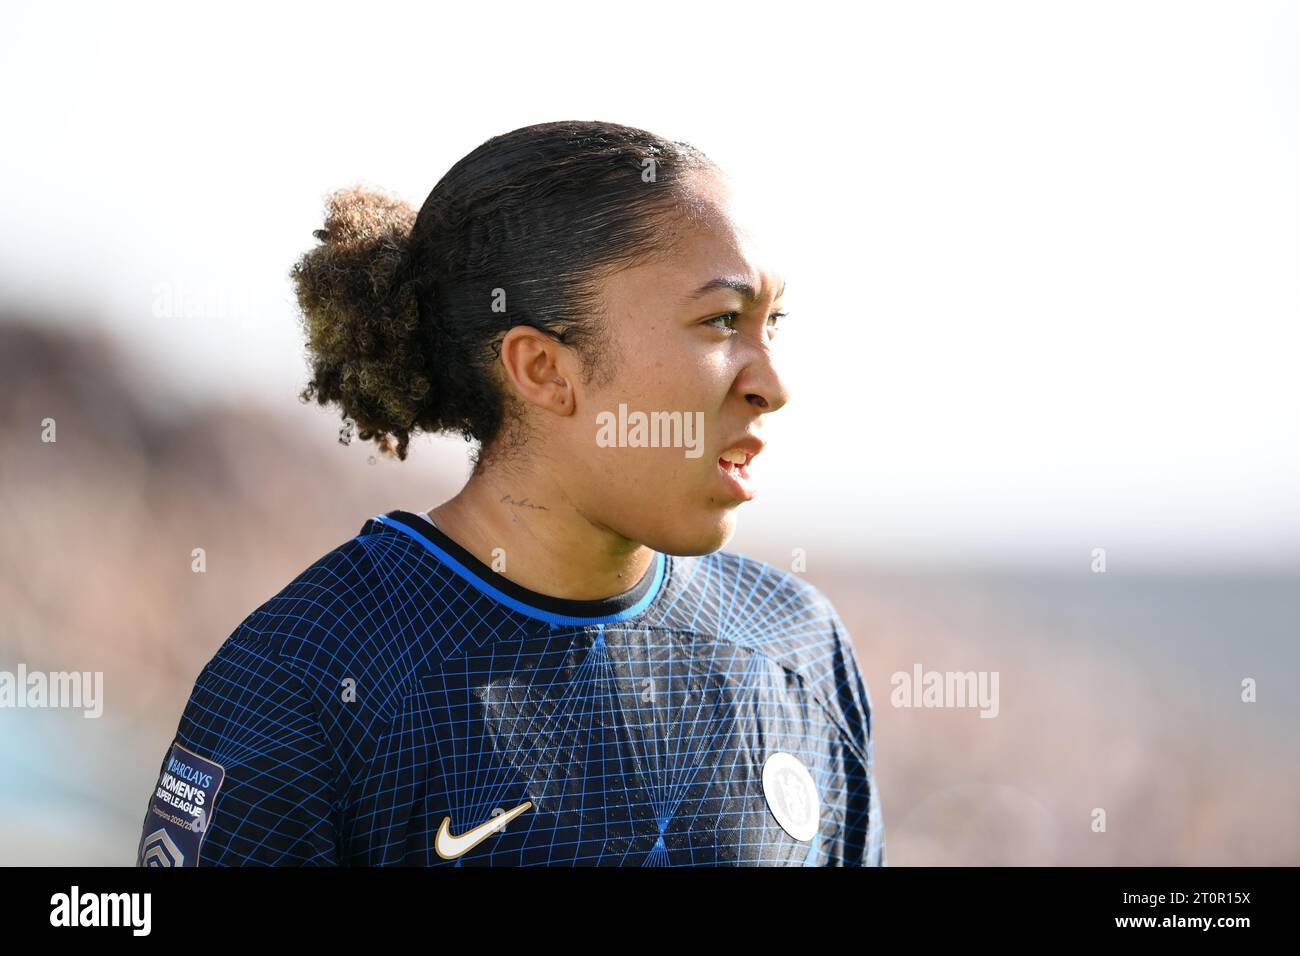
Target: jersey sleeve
[249, 778]
[865, 841]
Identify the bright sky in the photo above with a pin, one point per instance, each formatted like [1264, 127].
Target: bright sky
[1043, 258]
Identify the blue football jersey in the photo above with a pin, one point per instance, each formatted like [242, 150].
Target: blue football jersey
[400, 702]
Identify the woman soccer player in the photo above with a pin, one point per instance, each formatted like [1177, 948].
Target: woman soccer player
[558, 665]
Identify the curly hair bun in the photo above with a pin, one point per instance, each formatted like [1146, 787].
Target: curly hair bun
[362, 320]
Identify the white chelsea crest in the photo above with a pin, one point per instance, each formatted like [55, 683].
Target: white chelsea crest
[791, 795]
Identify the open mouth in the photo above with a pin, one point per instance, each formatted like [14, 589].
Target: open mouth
[735, 463]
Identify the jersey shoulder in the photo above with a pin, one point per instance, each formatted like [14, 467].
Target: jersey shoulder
[319, 609]
[345, 624]
[371, 586]
[783, 616]
[751, 600]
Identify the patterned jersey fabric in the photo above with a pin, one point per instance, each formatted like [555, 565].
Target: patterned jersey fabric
[400, 702]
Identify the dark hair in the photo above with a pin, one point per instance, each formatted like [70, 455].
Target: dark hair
[402, 311]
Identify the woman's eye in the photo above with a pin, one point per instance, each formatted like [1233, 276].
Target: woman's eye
[733, 316]
[728, 316]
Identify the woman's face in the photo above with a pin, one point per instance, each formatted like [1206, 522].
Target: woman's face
[693, 355]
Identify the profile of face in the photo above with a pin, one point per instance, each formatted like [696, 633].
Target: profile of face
[691, 333]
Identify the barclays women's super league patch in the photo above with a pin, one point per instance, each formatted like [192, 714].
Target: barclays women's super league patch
[180, 810]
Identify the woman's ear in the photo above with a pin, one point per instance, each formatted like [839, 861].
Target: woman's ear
[535, 367]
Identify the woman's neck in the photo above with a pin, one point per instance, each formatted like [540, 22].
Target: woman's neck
[545, 542]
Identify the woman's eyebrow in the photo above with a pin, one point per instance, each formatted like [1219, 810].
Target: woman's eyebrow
[735, 284]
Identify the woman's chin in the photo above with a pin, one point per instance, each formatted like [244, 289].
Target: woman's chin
[701, 537]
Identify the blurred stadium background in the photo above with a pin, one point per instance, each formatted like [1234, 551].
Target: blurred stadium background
[1075, 238]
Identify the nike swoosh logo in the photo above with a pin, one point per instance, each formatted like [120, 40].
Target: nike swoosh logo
[449, 847]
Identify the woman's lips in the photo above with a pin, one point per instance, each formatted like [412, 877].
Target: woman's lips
[733, 464]
[736, 478]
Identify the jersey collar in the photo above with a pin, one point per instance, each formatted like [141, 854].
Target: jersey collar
[544, 607]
